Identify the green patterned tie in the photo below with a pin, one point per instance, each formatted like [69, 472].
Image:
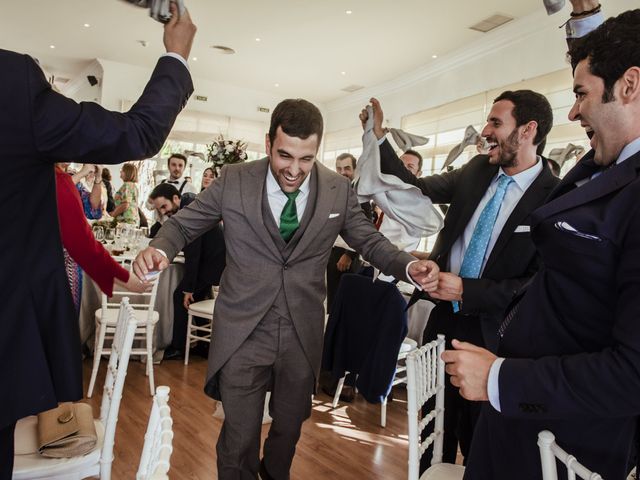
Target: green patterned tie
[289, 217]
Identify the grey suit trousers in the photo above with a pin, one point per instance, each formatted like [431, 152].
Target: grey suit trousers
[270, 358]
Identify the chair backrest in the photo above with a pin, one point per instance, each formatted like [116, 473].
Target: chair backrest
[114, 381]
[138, 301]
[425, 379]
[156, 453]
[549, 451]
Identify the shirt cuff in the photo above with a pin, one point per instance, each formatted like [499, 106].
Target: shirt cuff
[177, 56]
[162, 252]
[579, 27]
[417, 285]
[381, 140]
[493, 389]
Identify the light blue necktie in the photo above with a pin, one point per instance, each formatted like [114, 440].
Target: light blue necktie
[477, 248]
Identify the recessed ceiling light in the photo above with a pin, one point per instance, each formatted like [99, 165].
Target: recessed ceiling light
[343, 73]
[86, 25]
[195, 59]
[224, 50]
[52, 46]
[258, 39]
[348, 12]
[276, 85]
[434, 56]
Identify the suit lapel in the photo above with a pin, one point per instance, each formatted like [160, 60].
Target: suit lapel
[325, 199]
[534, 196]
[252, 182]
[609, 181]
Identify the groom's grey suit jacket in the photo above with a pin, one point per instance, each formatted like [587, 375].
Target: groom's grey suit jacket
[258, 269]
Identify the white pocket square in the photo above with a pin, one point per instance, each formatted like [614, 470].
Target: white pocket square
[334, 215]
[565, 227]
[522, 228]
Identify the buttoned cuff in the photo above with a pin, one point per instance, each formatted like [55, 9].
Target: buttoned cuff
[579, 27]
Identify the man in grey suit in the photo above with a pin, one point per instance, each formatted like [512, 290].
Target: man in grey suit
[281, 216]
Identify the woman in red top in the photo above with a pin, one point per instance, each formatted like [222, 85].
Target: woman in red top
[82, 248]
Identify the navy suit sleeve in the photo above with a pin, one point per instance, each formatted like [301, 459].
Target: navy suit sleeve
[86, 132]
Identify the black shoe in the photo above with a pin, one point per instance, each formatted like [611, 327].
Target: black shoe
[173, 354]
[262, 473]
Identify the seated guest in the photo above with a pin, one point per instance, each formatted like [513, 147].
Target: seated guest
[126, 198]
[81, 249]
[204, 263]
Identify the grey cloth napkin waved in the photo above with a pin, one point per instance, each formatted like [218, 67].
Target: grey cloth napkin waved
[471, 137]
[400, 201]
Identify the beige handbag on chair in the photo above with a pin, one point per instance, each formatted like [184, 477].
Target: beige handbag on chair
[66, 431]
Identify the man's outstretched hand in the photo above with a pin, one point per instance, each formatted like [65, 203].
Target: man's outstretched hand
[425, 273]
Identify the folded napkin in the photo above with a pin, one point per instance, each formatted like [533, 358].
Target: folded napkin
[400, 201]
[66, 431]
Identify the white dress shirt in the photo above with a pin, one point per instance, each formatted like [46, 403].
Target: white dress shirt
[521, 182]
[277, 198]
[189, 187]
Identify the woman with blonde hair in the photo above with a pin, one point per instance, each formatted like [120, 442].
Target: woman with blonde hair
[126, 198]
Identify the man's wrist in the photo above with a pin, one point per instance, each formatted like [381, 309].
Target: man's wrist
[580, 6]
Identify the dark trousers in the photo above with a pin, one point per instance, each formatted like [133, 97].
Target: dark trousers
[460, 415]
[6, 451]
[180, 314]
[270, 358]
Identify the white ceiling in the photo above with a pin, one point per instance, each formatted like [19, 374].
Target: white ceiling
[305, 45]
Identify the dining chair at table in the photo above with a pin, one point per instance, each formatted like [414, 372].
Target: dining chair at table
[34, 466]
[146, 317]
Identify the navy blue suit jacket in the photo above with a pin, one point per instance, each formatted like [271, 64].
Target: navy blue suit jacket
[40, 355]
[573, 349]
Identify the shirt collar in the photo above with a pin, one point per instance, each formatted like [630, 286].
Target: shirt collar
[525, 178]
[629, 150]
[274, 187]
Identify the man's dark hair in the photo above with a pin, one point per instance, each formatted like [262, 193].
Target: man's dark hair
[342, 156]
[417, 155]
[611, 49]
[530, 106]
[297, 118]
[177, 155]
[165, 190]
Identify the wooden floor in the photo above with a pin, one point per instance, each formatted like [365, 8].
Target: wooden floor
[342, 443]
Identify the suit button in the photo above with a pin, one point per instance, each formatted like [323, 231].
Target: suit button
[286, 266]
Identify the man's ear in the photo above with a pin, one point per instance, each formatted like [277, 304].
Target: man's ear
[176, 199]
[630, 85]
[530, 130]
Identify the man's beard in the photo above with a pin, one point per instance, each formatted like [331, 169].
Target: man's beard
[509, 150]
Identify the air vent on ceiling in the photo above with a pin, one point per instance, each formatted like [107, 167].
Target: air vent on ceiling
[352, 88]
[224, 50]
[489, 23]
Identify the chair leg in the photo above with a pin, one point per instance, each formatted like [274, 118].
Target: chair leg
[98, 345]
[383, 413]
[150, 358]
[188, 342]
[336, 396]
